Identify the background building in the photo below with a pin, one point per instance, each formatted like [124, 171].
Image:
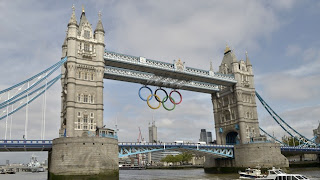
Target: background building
[153, 133]
[205, 136]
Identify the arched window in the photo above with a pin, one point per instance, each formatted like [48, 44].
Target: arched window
[79, 75]
[89, 98]
[85, 76]
[81, 99]
[85, 98]
[92, 77]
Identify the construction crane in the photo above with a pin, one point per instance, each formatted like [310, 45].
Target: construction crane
[140, 138]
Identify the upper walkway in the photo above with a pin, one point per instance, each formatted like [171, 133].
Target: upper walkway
[150, 72]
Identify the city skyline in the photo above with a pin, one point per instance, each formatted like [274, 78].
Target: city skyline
[279, 36]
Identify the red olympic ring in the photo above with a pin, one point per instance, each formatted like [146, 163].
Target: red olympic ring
[179, 95]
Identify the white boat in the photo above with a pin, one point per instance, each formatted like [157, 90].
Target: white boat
[273, 174]
[35, 165]
[251, 174]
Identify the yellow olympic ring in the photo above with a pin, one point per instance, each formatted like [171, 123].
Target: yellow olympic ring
[149, 103]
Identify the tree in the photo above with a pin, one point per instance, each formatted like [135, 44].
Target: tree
[290, 141]
[186, 157]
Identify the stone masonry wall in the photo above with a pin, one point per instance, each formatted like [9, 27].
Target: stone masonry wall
[84, 156]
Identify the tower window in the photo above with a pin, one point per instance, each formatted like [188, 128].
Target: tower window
[85, 98]
[92, 77]
[79, 75]
[79, 98]
[85, 118]
[86, 47]
[86, 34]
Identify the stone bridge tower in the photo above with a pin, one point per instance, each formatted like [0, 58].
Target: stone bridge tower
[82, 78]
[235, 109]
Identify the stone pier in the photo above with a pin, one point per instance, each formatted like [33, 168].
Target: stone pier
[265, 155]
[82, 158]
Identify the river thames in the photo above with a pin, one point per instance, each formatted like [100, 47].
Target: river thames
[155, 174]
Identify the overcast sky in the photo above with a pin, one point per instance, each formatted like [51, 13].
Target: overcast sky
[281, 37]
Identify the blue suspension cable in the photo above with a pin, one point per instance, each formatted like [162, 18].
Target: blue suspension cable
[35, 76]
[267, 107]
[31, 100]
[272, 137]
[32, 86]
[31, 93]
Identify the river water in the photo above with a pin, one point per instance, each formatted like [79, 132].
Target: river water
[157, 174]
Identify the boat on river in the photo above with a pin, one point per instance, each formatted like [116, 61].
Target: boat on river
[273, 174]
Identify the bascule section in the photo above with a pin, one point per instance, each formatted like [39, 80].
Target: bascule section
[235, 109]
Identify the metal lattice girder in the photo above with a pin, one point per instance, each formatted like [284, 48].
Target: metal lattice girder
[25, 145]
[151, 79]
[296, 150]
[177, 70]
[220, 151]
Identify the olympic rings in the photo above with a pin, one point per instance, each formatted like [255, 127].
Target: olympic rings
[158, 98]
[179, 95]
[171, 99]
[140, 93]
[149, 103]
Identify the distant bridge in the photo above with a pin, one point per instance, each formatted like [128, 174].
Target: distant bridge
[129, 148]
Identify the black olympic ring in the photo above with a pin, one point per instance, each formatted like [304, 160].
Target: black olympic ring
[159, 100]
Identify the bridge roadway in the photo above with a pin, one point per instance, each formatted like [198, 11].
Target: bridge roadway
[131, 148]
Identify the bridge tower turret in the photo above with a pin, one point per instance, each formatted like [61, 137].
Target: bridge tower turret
[235, 109]
[82, 78]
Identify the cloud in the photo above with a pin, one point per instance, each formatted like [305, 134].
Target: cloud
[32, 34]
[293, 50]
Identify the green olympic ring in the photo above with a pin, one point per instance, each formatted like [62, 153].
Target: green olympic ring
[172, 100]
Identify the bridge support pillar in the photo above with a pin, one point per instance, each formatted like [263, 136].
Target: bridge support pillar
[265, 155]
[82, 158]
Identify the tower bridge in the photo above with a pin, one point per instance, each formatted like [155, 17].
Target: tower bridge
[85, 144]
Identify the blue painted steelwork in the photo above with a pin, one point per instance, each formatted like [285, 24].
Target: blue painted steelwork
[55, 67]
[273, 137]
[32, 99]
[292, 132]
[126, 149]
[35, 76]
[220, 151]
[25, 145]
[315, 150]
[143, 62]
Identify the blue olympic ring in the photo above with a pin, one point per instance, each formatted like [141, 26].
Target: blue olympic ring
[140, 93]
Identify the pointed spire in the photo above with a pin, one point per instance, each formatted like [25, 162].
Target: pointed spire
[99, 25]
[248, 63]
[73, 19]
[211, 67]
[227, 49]
[83, 18]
